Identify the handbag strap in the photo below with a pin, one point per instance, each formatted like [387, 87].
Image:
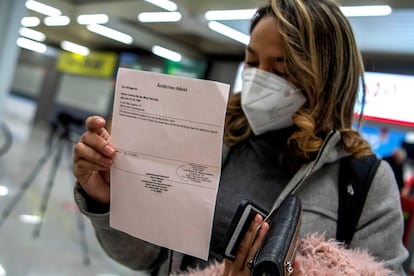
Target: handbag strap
[308, 170]
[355, 177]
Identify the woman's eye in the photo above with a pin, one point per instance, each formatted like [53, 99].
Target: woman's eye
[280, 74]
[280, 59]
[251, 64]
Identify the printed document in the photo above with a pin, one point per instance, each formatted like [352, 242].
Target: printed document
[168, 134]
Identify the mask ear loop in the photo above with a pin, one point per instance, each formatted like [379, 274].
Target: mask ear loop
[361, 111]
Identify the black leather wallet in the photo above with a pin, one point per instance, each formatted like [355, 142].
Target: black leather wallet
[276, 255]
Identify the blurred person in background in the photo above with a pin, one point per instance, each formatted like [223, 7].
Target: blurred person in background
[397, 161]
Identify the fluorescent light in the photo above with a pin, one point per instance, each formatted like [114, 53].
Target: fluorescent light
[230, 14]
[74, 48]
[32, 34]
[31, 45]
[229, 32]
[379, 10]
[110, 33]
[30, 21]
[30, 219]
[159, 16]
[57, 21]
[3, 192]
[42, 8]
[87, 19]
[165, 4]
[166, 53]
[2, 271]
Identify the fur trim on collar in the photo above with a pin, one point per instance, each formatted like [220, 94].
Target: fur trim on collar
[317, 257]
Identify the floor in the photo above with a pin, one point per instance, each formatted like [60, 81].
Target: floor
[63, 242]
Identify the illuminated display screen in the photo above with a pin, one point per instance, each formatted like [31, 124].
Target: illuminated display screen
[389, 99]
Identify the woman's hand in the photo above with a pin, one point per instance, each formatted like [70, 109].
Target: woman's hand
[247, 250]
[93, 159]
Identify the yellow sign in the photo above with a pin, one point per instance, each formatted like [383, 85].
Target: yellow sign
[98, 64]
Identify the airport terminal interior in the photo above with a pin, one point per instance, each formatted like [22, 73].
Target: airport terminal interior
[63, 242]
[42, 80]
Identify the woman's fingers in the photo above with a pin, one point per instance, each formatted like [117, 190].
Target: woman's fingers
[93, 145]
[83, 167]
[258, 241]
[97, 152]
[92, 159]
[96, 187]
[94, 179]
[95, 123]
[246, 244]
[96, 141]
[251, 243]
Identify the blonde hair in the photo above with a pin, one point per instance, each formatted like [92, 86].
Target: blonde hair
[323, 61]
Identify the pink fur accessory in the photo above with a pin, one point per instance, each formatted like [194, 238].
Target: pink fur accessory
[318, 257]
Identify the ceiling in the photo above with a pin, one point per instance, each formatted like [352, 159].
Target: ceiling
[393, 34]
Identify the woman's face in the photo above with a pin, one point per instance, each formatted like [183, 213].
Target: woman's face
[265, 50]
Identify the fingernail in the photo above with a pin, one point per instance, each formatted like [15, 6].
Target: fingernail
[109, 150]
[99, 121]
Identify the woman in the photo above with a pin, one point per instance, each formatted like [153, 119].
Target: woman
[300, 83]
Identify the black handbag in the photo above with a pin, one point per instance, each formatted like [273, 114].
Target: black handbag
[277, 253]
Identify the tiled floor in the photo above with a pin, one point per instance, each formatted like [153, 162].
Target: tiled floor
[59, 248]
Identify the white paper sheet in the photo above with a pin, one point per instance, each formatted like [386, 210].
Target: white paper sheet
[168, 132]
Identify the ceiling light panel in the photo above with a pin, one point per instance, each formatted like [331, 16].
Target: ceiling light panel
[245, 14]
[229, 32]
[110, 33]
[74, 48]
[166, 53]
[378, 10]
[42, 8]
[165, 4]
[57, 21]
[31, 45]
[87, 19]
[32, 34]
[148, 17]
[30, 21]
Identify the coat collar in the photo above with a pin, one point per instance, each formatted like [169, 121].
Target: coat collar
[330, 152]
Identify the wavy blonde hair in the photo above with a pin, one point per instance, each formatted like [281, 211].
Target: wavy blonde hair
[323, 61]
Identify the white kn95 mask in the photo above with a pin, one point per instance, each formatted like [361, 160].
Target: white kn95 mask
[268, 101]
